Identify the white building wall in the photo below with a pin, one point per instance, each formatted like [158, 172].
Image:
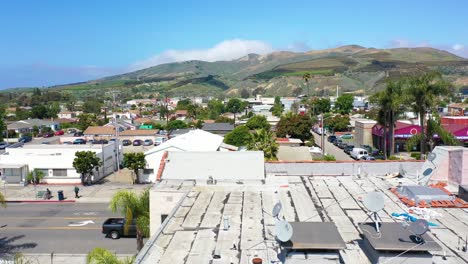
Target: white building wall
[152, 162]
[53, 157]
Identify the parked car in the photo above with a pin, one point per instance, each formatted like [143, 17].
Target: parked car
[48, 134]
[331, 138]
[126, 142]
[25, 139]
[359, 153]
[342, 145]
[368, 158]
[148, 142]
[71, 131]
[337, 142]
[79, 141]
[67, 143]
[137, 142]
[367, 147]
[78, 134]
[114, 228]
[100, 141]
[59, 133]
[346, 136]
[3, 145]
[348, 149]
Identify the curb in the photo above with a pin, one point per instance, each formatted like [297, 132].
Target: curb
[40, 201]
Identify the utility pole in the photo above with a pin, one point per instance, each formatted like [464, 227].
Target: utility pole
[322, 136]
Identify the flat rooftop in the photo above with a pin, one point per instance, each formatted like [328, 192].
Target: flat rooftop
[195, 232]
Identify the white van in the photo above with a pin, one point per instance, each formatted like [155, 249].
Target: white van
[359, 153]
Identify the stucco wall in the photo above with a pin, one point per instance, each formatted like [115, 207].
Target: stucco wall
[162, 203]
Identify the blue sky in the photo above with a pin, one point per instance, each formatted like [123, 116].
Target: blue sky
[54, 42]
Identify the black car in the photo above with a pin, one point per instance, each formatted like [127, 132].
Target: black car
[78, 134]
[331, 138]
[342, 145]
[3, 145]
[25, 139]
[79, 141]
[337, 142]
[126, 142]
[114, 228]
[137, 142]
[348, 149]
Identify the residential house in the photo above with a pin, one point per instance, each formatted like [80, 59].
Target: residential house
[26, 126]
[99, 132]
[458, 109]
[181, 114]
[218, 128]
[141, 134]
[193, 140]
[67, 114]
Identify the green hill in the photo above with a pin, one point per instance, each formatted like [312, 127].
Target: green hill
[353, 68]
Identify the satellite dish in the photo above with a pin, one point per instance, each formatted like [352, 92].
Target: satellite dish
[276, 209]
[374, 201]
[427, 172]
[431, 156]
[419, 227]
[284, 231]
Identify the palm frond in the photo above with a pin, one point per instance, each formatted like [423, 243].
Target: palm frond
[2, 200]
[101, 256]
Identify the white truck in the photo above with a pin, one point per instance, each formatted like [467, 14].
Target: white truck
[359, 153]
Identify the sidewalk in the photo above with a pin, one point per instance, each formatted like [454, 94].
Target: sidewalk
[98, 193]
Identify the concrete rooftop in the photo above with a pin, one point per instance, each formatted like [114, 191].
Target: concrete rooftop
[195, 233]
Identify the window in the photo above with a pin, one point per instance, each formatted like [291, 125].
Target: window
[12, 172]
[60, 172]
[148, 171]
[163, 217]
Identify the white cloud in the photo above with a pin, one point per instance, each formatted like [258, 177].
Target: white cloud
[226, 50]
[458, 47]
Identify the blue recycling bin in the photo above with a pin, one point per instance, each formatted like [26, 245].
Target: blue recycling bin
[60, 195]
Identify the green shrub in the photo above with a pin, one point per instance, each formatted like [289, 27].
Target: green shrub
[393, 158]
[325, 158]
[39, 177]
[416, 155]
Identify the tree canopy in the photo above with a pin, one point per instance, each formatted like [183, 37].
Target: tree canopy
[344, 103]
[134, 161]
[278, 107]
[295, 126]
[263, 140]
[239, 136]
[133, 207]
[85, 163]
[176, 124]
[258, 122]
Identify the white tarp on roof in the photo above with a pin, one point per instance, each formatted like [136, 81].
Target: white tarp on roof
[246, 165]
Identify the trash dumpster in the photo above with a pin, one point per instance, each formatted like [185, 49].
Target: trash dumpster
[60, 195]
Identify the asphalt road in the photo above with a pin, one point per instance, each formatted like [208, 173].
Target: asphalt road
[58, 228]
[331, 149]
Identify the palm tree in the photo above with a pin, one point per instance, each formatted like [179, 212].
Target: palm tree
[306, 78]
[433, 128]
[263, 140]
[104, 256]
[422, 93]
[134, 207]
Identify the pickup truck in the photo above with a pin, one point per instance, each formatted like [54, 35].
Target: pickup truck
[114, 228]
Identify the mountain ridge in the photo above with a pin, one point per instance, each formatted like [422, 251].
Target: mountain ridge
[352, 67]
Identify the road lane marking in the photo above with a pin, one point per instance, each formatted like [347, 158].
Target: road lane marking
[82, 223]
[52, 228]
[50, 217]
